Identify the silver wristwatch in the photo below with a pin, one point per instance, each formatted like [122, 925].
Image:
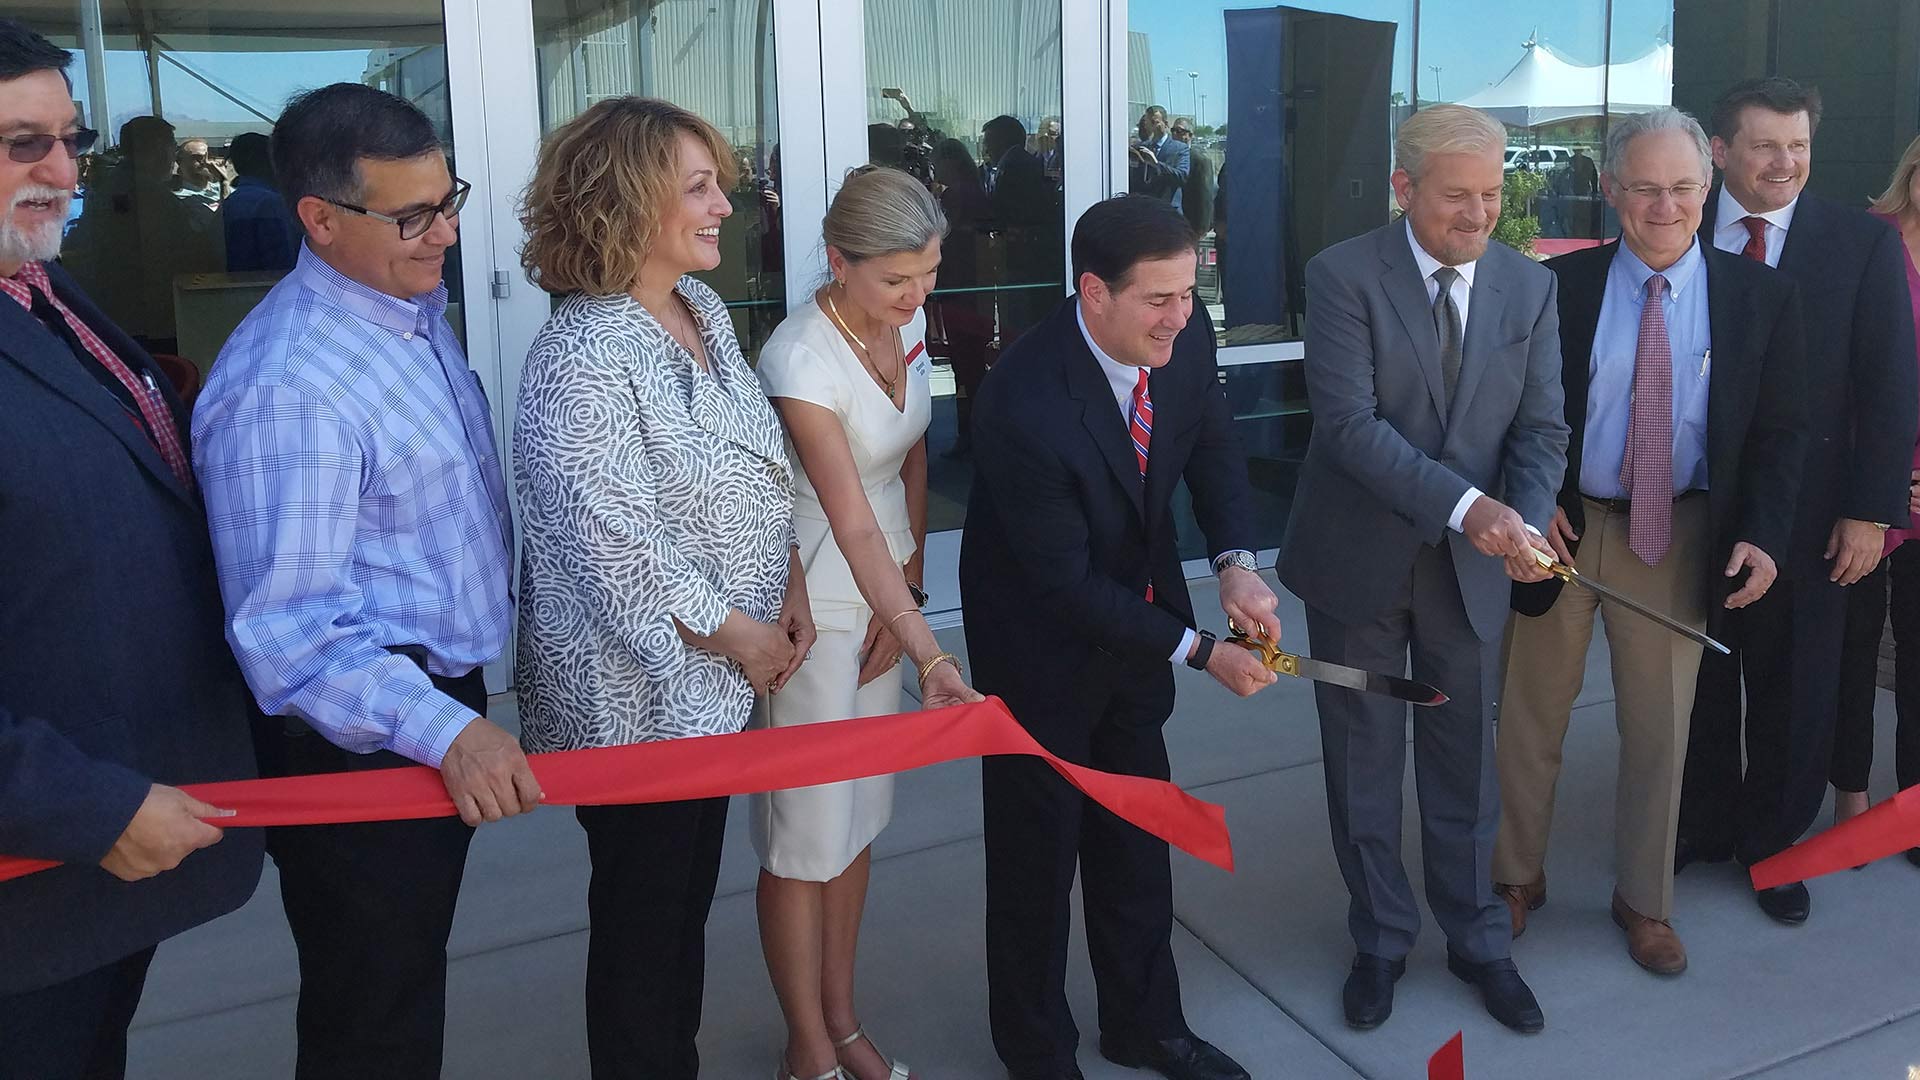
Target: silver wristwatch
[1241, 559]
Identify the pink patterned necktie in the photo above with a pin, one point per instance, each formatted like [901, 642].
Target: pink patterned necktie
[1646, 471]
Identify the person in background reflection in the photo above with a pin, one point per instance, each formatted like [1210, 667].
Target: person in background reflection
[195, 174]
[964, 316]
[1158, 164]
[1196, 198]
[262, 233]
[1048, 149]
[1867, 600]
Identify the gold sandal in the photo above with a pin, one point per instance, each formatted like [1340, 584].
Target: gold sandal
[898, 1069]
[781, 1073]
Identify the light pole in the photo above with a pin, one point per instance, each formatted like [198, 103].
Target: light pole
[1169, 82]
[1200, 116]
[1435, 68]
[1193, 85]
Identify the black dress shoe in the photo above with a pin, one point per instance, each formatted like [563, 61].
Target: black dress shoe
[1368, 995]
[1787, 903]
[1187, 1058]
[1687, 851]
[1506, 995]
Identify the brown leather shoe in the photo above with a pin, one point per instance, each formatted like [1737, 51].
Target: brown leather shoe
[1522, 899]
[1651, 942]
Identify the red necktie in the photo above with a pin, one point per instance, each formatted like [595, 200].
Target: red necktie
[1647, 469]
[1756, 248]
[1140, 428]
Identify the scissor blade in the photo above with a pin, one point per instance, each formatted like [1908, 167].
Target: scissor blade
[1369, 682]
[1630, 603]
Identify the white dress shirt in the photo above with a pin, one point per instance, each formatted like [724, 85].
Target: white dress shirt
[1730, 232]
[1121, 379]
[1462, 293]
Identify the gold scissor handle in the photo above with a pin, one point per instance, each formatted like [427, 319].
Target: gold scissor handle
[1554, 566]
[1270, 653]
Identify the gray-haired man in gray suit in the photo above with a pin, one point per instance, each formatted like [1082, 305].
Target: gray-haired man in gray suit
[1433, 369]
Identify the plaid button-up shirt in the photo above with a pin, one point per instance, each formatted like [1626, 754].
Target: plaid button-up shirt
[357, 502]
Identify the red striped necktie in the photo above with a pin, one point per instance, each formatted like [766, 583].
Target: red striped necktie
[1140, 428]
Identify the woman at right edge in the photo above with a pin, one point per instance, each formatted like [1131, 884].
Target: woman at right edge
[848, 376]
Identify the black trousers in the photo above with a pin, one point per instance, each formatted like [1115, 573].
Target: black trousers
[654, 870]
[73, 1030]
[1038, 828]
[1786, 648]
[1859, 667]
[370, 906]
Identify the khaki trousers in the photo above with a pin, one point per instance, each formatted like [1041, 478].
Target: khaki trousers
[1654, 673]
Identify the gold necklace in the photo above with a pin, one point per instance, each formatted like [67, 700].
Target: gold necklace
[888, 384]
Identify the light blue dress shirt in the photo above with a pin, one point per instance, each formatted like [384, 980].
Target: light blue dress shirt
[1610, 371]
[356, 501]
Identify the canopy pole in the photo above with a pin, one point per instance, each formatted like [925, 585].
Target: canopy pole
[93, 47]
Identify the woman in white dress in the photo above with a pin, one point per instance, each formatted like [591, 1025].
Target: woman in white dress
[848, 375]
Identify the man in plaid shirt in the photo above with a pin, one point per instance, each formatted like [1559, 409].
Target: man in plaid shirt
[360, 524]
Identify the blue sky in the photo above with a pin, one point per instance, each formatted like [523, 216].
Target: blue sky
[1473, 42]
[264, 80]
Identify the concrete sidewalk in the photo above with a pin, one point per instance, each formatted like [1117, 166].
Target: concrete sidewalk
[1262, 951]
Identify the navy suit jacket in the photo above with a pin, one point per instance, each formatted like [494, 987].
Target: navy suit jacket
[114, 667]
[1859, 385]
[1062, 538]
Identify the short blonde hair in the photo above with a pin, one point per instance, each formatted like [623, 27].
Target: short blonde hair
[881, 211]
[1898, 197]
[593, 207]
[1445, 129]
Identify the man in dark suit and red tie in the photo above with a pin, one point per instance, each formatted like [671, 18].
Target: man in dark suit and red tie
[116, 683]
[1861, 421]
[1682, 367]
[1077, 610]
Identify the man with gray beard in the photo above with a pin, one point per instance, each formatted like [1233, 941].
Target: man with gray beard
[115, 679]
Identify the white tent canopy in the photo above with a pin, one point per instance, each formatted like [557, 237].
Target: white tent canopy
[1543, 87]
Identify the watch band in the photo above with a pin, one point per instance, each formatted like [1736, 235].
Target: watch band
[1203, 649]
[919, 595]
[1241, 559]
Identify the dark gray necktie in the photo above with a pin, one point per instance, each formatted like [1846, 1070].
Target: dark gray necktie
[1446, 323]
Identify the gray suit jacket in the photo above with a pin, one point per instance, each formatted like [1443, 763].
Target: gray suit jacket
[1387, 462]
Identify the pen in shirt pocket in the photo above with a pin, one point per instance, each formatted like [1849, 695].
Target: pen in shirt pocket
[1705, 359]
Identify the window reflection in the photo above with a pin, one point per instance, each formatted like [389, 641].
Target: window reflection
[177, 229]
[965, 95]
[715, 59]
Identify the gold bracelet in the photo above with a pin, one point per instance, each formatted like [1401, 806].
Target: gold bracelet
[927, 668]
[902, 615]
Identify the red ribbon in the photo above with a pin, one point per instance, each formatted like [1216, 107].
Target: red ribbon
[700, 768]
[1450, 1061]
[1887, 829]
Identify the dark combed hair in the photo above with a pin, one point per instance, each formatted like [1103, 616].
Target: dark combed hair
[323, 134]
[23, 52]
[1774, 93]
[251, 154]
[1116, 235]
[1009, 131]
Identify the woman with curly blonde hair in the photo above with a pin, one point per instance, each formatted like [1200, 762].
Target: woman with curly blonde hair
[660, 592]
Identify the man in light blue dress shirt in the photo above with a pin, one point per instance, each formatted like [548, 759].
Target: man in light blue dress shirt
[361, 530]
[1703, 505]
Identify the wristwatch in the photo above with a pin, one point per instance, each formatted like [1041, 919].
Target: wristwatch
[1881, 525]
[1203, 648]
[1241, 559]
[919, 594]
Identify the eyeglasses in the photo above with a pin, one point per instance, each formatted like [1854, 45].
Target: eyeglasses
[1182, 131]
[417, 223]
[1652, 192]
[27, 149]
